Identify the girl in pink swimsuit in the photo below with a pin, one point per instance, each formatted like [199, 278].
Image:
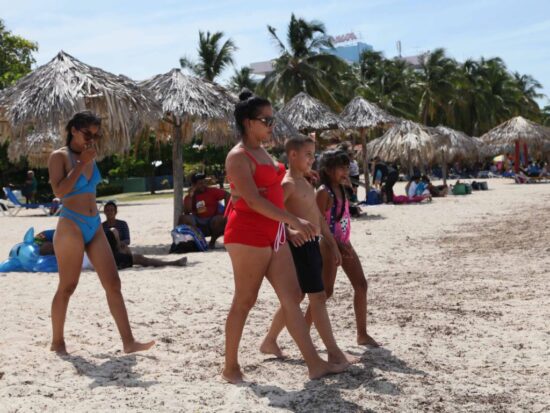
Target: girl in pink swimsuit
[332, 201]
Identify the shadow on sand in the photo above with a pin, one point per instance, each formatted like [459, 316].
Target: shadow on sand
[326, 395]
[114, 371]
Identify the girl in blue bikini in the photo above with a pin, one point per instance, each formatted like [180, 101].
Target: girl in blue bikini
[74, 176]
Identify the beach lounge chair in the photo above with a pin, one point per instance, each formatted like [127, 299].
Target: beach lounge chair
[18, 205]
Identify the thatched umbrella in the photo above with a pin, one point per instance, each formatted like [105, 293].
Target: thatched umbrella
[184, 100]
[407, 143]
[516, 131]
[36, 109]
[458, 146]
[363, 115]
[307, 114]
[227, 132]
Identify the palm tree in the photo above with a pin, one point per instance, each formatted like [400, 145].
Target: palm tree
[436, 84]
[546, 115]
[213, 58]
[388, 83]
[242, 79]
[303, 64]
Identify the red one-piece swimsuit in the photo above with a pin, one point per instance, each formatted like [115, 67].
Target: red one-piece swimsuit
[248, 227]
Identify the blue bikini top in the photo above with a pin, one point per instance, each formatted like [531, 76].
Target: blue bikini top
[83, 185]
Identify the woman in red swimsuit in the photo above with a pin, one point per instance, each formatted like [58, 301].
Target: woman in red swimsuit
[255, 238]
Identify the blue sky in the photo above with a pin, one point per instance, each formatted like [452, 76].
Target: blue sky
[144, 38]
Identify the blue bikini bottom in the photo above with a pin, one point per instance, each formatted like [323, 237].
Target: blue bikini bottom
[88, 225]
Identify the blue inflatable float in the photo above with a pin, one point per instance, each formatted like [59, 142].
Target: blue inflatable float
[25, 257]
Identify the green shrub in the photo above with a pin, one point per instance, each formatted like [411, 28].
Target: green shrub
[104, 189]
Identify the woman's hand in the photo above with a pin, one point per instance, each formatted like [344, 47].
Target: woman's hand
[88, 155]
[312, 176]
[306, 228]
[296, 238]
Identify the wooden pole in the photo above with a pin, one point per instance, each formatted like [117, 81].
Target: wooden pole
[516, 157]
[363, 133]
[444, 168]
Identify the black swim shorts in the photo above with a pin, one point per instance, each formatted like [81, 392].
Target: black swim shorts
[309, 266]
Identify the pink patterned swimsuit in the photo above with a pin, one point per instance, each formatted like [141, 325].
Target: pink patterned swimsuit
[338, 217]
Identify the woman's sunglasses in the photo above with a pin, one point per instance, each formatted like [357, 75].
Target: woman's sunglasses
[88, 136]
[267, 120]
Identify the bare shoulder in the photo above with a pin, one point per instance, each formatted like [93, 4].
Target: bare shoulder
[58, 156]
[324, 200]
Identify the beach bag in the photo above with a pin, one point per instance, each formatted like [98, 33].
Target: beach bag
[459, 189]
[187, 239]
[373, 197]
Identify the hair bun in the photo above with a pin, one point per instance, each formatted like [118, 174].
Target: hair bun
[245, 94]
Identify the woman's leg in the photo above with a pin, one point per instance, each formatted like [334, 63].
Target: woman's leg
[69, 251]
[354, 271]
[282, 276]
[101, 257]
[249, 267]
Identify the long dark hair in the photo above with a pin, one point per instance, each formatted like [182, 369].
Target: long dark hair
[330, 160]
[248, 108]
[81, 120]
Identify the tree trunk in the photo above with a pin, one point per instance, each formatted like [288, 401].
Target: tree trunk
[182, 132]
[177, 168]
[363, 133]
[444, 168]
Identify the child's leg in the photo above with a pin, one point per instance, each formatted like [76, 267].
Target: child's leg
[329, 274]
[353, 269]
[269, 345]
[317, 303]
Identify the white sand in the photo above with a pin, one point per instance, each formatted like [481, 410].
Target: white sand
[459, 296]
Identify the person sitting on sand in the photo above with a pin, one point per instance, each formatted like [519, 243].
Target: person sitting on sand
[111, 210]
[300, 200]
[436, 191]
[201, 208]
[125, 258]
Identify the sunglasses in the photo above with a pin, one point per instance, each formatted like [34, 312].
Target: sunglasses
[267, 120]
[88, 136]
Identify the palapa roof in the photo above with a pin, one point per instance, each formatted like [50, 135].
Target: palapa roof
[360, 113]
[184, 95]
[407, 142]
[34, 111]
[307, 114]
[507, 133]
[227, 132]
[460, 146]
[205, 107]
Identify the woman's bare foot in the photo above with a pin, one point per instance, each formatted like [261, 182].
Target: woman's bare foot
[341, 358]
[233, 376]
[324, 369]
[59, 348]
[182, 262]
[271, 347]
[366, 340]
[135, 346]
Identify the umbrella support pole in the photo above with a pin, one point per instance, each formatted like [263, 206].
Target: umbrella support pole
[365, 161]
[516, 157]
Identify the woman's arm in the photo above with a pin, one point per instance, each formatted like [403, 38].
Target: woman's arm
[62, 184]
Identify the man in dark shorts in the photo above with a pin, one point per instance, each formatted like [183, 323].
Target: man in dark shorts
[201, 208]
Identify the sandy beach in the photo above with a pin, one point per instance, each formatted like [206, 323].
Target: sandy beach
[458, 296]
